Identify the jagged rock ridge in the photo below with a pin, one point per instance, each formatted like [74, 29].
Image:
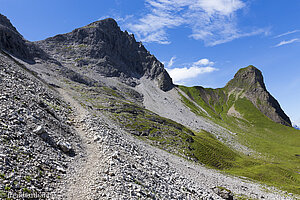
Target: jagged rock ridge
[104, 48]
[250, 81]
[11, 40]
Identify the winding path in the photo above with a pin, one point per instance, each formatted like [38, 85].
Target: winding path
[81, 183]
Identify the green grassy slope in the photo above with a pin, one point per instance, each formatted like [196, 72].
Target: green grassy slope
[277, 162]
[277, 145]
[158, 131]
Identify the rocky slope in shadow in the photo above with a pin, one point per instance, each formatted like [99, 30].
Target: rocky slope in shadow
[103, 48]
[12, 42]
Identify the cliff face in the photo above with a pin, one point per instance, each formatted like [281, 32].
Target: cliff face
[104, 48]
[250, 81]
[247, 83]
[11, 40]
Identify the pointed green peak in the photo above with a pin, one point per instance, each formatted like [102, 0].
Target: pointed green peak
[246, 78]
[250, 68]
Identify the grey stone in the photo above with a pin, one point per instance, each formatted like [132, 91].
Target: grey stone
[39, 130]
[64, 146]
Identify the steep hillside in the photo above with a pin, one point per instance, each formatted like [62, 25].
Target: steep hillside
[11, 40]
[249, 82]
[101, 48]
[246, 108]
[36, 142]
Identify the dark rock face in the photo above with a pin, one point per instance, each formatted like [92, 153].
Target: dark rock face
[6, 23]
[11, 40]
[100, 46]
[104, 48]
[250, 79]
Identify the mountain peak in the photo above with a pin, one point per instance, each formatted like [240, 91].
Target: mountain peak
[108, 23]
[12, 41]
[5, 22]
[247, 78]
[250, 81]
[108, 51]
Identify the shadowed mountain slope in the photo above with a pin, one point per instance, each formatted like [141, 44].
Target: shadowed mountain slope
[103, 48]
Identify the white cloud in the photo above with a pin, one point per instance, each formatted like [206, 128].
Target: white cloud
[180, 74]
[225, 7]
[213, 21]
[234, 35]
[203, 61]
[202, 66]
[284, 42]
[171, 62]
[287, 33]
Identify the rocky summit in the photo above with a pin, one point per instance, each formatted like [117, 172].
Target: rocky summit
[105, 49]
[250, 80]
[91, 114]
[11, 40]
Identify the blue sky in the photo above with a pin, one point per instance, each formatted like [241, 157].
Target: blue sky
[201, 42]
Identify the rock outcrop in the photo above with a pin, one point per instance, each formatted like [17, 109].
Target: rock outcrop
[250, 81]
[102, 47]
[11, 40]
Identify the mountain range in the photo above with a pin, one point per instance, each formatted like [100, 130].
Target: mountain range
[92, 114]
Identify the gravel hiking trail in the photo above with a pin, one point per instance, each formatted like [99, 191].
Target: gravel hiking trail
[80, 183]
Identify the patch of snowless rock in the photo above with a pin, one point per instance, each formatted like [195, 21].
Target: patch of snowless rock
[168, 104]
[128, 168]
[36, 143]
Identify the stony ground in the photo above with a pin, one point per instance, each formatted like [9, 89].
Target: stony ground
[61, 150]
[169, 105]
[118, 166]
[36, 142]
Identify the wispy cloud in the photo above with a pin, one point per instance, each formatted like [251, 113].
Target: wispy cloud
[287, 33]
[202, 66]
[213, 21]
[171, 62]
[285, 42]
